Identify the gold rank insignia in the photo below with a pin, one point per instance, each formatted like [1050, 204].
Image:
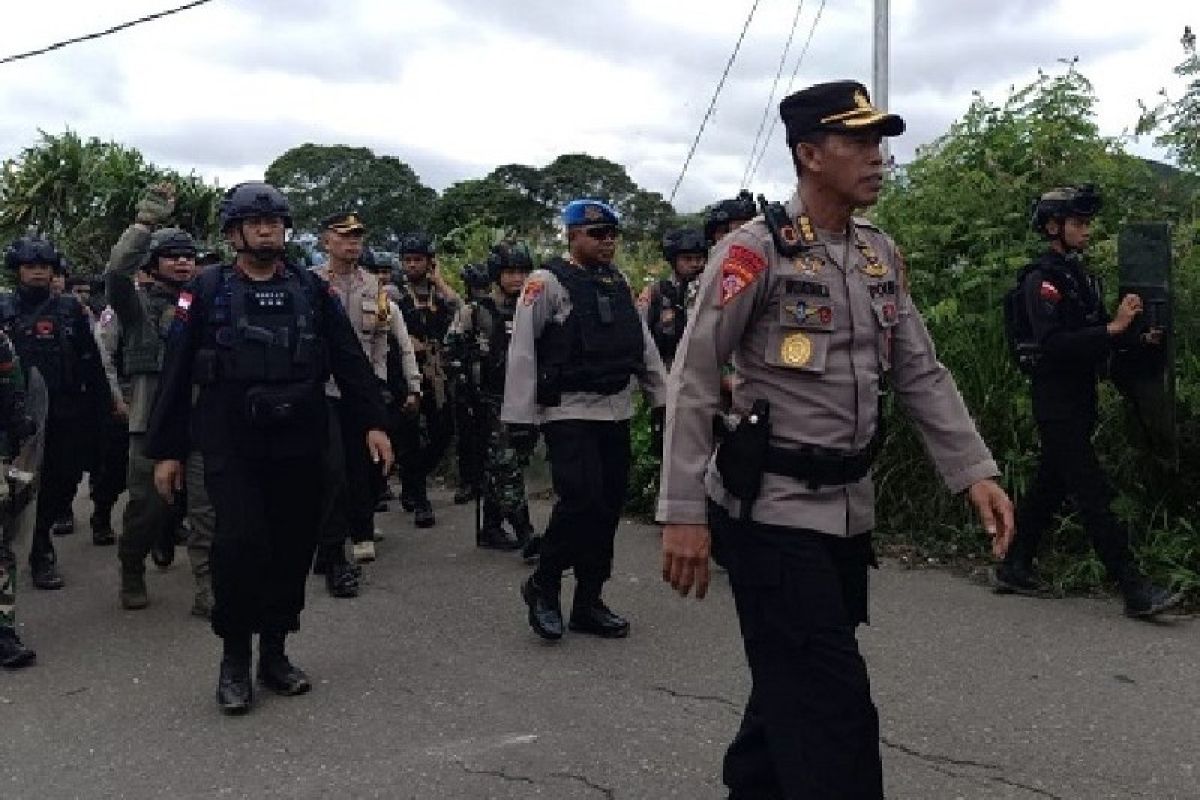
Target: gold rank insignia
[874, 269]
[796, 350]
[807, 234]
[808, 264]
[592, 213]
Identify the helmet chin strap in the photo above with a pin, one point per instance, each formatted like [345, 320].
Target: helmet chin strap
[263, 255]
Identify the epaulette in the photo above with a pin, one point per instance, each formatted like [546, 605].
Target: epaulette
[863, 222]
[791, 238]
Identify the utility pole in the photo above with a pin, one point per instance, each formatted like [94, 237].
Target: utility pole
[880, 73]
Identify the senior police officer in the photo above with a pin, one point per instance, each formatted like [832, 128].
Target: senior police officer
[352, 495]
[1073, 338]
[578, 347]
[260, 337]
[812, 306]
[478, 344]
[144, 315]
[428, 304]
[52, 332]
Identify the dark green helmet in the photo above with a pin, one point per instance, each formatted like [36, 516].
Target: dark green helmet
[1065, 201]
[169, 242]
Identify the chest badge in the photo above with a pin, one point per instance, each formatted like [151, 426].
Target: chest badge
[810, 265]
[796, 350]
[43, 327]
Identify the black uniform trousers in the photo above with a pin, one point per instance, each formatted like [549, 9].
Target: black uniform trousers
[1068, 467]
[268, 518]
[810, 730]
[354, 482]
[423, 439]
[63, 461]
[108, 477]
[589, 467]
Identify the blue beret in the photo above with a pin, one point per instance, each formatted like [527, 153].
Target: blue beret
[589, 212]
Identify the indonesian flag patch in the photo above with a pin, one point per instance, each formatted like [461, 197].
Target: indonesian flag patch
[183, 306]
[739, 269]
[533, 290]
[1049, 291]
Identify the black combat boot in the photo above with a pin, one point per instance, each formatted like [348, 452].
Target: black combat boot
[275, 671]
[1017, 576]
[1144, 600]
[531, 553]
[64, 525]
[545, 614]
[342, 579]
[13, 653]
[102, 530]
[235, 691]
[133, 586]
[523, 528]
[464, 495]
[43, 564]
[590, 615]
[423, 514]
[492, 535]
[408, 497]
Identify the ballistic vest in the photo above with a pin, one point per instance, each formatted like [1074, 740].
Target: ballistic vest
[142, 348]
[44, 337]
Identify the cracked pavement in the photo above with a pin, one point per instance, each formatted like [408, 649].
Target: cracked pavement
[430, 686]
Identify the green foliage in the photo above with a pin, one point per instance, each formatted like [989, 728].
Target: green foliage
[320, 180]
[82, 194]
[1178, 121]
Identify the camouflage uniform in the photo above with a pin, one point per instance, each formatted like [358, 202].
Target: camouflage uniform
[12, 652]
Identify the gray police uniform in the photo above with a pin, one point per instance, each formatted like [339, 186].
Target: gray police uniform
[574, 374]
[144, 318]
[817, 336]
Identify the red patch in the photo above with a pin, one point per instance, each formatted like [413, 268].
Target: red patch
[183, 306]
[1049, 291]
[532, 291]
[889, 311]
[44, 327]
[739, 269]
[826, 314]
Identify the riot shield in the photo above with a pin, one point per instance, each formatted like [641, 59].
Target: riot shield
[1145, 374]
[18, 512]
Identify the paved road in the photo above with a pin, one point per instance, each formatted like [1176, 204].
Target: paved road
[430, 686]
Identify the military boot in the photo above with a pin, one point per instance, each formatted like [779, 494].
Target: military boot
[423, 514]
[13, 653]
[523, 528]
[64, 525]
[589, 614]
[545, 614]
[43, 566]
[492, 535]
[133, 586]
[102, 530]
[235, 692]
[1016, 576]
[342, 579]
[1144, 600]
[408, 497]
[275, 670]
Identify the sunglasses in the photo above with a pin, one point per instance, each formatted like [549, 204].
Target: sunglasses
[177, 254]
[602, 232]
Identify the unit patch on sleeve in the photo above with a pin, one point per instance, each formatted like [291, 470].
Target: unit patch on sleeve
[739, 269]
[532, 291]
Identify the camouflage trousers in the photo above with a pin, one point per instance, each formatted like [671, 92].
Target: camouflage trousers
[10, 539]
[8, 594]
[503, 466]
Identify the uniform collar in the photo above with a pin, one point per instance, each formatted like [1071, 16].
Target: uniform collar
[280, 270]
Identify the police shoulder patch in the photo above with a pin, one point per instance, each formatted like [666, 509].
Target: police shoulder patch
[1048, 291]
[740, 267]
[532, 291]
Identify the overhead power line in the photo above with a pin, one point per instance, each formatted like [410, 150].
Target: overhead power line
[713, 103]
[791, 82]
[762, 123]
[107, 32]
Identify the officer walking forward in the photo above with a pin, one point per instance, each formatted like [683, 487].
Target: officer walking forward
[811, 304]
[577, 346]
[260, 337]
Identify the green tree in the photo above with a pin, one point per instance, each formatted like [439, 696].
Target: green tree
[320, 180]
[82, 193]
[1178, 121]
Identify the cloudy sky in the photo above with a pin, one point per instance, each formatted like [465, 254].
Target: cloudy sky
[455, 87]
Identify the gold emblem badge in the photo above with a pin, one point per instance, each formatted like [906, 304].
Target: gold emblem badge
[873, 269]
[796, 350]
[808, 265]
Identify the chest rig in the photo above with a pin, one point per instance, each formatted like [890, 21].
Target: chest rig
[599, 345]
[260, 332]
[426, 316]
[492, 325]
[44, 337]
[142, 348]
[668, 316]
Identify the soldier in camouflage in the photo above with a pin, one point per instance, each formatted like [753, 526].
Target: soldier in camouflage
[477, 346]
[13, 653]
[168, 256]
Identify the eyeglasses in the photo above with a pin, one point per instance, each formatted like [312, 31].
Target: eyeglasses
[175, 255]
[602, 232]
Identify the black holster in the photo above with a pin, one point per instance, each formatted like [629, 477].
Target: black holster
[742, 454]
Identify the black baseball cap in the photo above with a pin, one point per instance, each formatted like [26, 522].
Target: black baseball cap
[836, 107]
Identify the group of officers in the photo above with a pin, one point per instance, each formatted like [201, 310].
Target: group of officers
[263, 403]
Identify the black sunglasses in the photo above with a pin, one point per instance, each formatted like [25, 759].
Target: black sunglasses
[176, 254]
[602, 232]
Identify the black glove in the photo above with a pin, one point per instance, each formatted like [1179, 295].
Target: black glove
[658, 423]
[523, 438]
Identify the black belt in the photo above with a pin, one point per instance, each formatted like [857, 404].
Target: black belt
[822, 466]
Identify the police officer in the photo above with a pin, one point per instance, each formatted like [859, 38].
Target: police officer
[1074, 338]
[16, 426]
[479, 285]
[478, 344]
[428, 305]
[811, 304]
[259, 337]
[577, 347]
[52, 332]
[357, 483]
[727, 216]
[667, 302]
[167, 256]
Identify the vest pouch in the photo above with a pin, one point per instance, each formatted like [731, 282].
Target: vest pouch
[205, 367]
[283, 407]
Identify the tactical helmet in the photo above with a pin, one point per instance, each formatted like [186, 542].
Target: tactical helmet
[728, 211]
[1065, 201]
[367, 260]
[167, 240]
[476, 277]
[31, 249]
[420, 244]
[683, 240]
[253, 199]
[507, 255]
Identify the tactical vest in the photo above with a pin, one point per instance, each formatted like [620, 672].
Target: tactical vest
[668, 316]
[492, 324]
[599, 346]
[260, 333]
[427, 320]
[44, 337]
[142, 348]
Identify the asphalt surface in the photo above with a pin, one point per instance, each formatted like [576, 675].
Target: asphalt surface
[430, 685]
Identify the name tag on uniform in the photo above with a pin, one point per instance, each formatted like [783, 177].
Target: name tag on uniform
[810, 288]
[270, 299]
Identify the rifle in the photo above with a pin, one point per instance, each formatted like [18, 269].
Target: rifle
[466, 354]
